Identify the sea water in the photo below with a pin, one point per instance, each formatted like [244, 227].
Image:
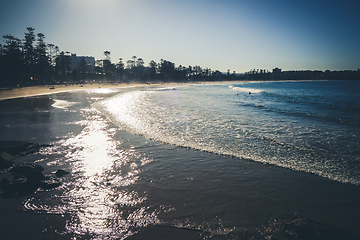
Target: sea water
[228, 161]
[304, 126]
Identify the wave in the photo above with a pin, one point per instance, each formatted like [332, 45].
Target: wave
[166, 89]
[246, 90]
[62, 104]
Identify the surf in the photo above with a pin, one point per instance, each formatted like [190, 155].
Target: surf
[213, 119]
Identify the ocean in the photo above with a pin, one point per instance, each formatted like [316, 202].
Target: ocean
[238, 160]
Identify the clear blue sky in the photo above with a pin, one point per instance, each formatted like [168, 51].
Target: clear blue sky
[220, 34]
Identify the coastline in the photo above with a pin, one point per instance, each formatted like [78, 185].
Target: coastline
[21, 92]
[47, 89]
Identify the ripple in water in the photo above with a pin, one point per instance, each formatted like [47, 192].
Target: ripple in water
[97, 195]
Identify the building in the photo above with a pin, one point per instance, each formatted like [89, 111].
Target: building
[75, 62]
[276, 73]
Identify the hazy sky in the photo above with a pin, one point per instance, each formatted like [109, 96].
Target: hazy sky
[220, 34]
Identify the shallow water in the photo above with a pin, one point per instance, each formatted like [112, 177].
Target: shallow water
[135, 162]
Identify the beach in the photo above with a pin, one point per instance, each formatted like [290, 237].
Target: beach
[186, 161]
[20, 92]
[10, 93]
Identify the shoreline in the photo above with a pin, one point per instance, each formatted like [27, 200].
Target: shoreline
[21, 92]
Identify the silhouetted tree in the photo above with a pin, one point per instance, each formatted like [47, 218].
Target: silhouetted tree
[131, 68]
[108, 66]
[139, 62]
[120, 70]
[190, 71]
[12, 64]
[63, 66]
[107, 55]
[167, 69]
[153, 69]
[52, 53]
[134, 59]
[42, 61]
[29, 53]
[139, 69]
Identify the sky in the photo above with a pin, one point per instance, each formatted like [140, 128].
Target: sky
[219, 34]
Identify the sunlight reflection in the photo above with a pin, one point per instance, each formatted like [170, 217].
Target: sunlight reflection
[123, 112]
[97, 197]
[100, 91]
[93, 148]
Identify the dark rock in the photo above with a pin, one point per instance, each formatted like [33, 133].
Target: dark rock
[50, 183]
[19, 147]
[19, 186]
[4, 182]
[31, 171]
[18, 189]
[19, 178]
[13, 189]
[26, 183]
[60, 173]
[26, 166]
[6, 160]
[33, 176]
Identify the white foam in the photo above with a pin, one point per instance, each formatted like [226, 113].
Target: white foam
[247, 90]
[101, 91]
[62, 104]
[167, 89]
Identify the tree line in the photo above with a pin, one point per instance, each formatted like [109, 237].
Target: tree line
[277, 74]
[32, 61]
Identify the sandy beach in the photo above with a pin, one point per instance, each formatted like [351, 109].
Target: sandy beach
[49, 89]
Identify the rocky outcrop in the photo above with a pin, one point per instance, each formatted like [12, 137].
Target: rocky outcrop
[60, 173]
[27, 177]
[26, 167]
